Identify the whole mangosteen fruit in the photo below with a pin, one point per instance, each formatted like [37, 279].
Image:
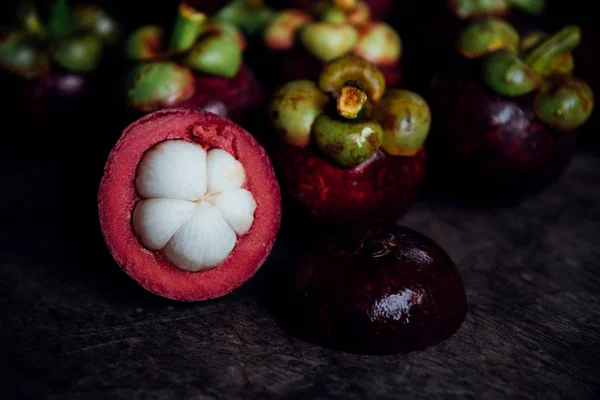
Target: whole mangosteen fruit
[49, 66]
[380, 9]
[507, 114]
[348, 150]
[429, 29]
[298, 42]
[189, 204]
[200, 67]
[372, 289]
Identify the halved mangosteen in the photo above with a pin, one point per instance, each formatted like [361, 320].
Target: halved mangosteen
[507, 114]
[201, 67]
[348, 150]
[189, 204]
[371, 289]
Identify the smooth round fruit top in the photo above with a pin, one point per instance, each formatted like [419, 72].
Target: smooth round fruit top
[513, 66]
[189, 204]
[332, 29]
[349, 115]
[372, 289]
[197, 44]
[74, 39]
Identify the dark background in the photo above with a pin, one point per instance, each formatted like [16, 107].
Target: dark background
[72, 325]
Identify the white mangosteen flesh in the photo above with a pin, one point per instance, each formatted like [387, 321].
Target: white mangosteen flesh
[193, 207]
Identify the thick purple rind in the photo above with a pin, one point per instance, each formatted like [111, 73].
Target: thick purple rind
[372, 290]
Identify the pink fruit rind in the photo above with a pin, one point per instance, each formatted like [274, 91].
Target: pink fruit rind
[117, 198]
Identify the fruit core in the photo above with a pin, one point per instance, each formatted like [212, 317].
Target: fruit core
[193, 205]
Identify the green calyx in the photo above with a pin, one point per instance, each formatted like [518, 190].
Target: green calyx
[96, 21]
[338, 72]
[328, 41]
[348, 143]
[218, 55]
[72, 38]
[487, 36]
[542, 58]
[543, 63]
[533, 7]
[145, 43]
[196, 45]
[466, 9]
[349, 115]
[78, 53]
[188, 26]
[406, 120]
[20, 56]
[293, 110]
[280, 33]
[508, 75]
[251, 16]
[157, 85]
[564, 104]
[379, 43]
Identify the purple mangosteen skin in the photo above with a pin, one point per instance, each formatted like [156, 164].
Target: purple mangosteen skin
[374, 290]
[488, 147]
[238, 98]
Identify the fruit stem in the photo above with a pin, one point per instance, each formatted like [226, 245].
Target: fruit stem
[31, 20]
[188, 26]
[351, 100]
[60, 23]
[542, 56]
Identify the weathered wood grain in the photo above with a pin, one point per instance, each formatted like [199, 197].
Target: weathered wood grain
[73, 326]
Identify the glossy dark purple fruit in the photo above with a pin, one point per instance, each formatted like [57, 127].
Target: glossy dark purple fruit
[489, 147]
[374, 290]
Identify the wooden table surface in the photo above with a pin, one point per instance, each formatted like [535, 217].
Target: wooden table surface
[74, 326]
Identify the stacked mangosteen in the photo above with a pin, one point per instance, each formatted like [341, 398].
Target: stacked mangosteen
[190, 204]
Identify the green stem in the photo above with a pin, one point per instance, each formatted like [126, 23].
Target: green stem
[188, 27]
[30, 19]
[60, 23]
[541, 57]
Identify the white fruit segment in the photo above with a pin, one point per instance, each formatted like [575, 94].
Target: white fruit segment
[193, 207]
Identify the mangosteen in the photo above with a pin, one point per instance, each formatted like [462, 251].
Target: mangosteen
[298, 42]
[506, 115]
[200, 67]
[372, 289]
[430, 28]
[380, 9]
[189, 204]
[348, 150]
[48, 65]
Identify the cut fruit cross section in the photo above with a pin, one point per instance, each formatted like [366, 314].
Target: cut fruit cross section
[192, 206]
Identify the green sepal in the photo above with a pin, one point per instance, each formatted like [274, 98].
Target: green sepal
[20, 55]
[156, 85]
[77, 53]
[218, 55]
[487, 36]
